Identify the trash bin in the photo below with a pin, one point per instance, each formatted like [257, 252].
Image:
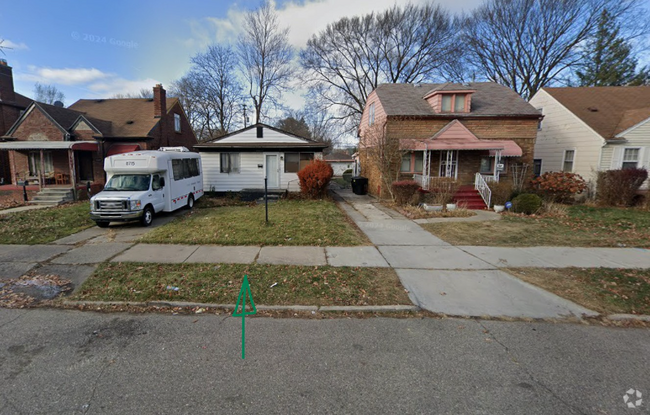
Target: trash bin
[360, 185]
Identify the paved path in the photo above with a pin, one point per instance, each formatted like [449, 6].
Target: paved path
[467, 280]
[455, 280]
[67, 362]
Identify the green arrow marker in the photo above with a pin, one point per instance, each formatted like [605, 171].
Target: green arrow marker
[243, 293]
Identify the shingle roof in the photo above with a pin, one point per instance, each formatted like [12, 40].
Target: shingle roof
[489, 99]
[608, 110]
[129, 117]
[65, 117]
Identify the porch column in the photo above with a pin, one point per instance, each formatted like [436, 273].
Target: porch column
[41, 175]
[497, 160]
[14, 173]
[73, 175]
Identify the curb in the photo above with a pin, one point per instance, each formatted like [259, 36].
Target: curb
[182, 304]
[620, 317]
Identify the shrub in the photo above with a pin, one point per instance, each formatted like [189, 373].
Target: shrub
[559, 186]
[404, 190]
[501, 192]
[527, 203]
[314, 178]
[619, 187]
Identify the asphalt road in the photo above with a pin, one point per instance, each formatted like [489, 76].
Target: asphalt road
[54, 361]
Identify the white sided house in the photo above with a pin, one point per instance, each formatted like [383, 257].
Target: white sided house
[591, 129]
[241, 160]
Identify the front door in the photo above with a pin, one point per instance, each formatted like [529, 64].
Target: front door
[449, 164]
[272, 171]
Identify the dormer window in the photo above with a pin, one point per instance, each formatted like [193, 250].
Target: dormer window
[371, 114]
[454, 103]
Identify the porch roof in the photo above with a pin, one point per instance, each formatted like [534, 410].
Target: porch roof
[508, 148]
[49, 145]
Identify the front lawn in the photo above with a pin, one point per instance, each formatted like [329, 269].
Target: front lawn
[606, 290]
[291, 222]
[42, 226]
[209, 283]
[583, 226]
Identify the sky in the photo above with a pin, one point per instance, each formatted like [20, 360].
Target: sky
[96, 49]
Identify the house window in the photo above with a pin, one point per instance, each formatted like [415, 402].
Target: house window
[294, 162]
[567, 165]
[630, 158]
[487, 165]
[371, 114]
[230, 163]
[35, 162]
[453, 103]
[177, 123]
[537, 167]
[539, 122]
[412, 162]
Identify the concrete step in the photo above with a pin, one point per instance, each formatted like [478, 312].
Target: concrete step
[46, 202]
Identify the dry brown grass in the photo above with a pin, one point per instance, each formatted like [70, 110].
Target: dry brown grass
[607, 291]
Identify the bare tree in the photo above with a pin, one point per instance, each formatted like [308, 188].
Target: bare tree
[528, 44]
[265, 58]
[48, 94]
[217, 87]
[142, 93]
[189, 93]
[348, 59]
[380, 157]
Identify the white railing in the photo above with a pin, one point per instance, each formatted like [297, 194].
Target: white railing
[481, 185]
[420, 179]
[490, 178]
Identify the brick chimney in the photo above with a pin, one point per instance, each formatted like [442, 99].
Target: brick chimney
[7, 93]
[159, 101]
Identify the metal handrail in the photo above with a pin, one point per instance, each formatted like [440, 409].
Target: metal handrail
[480, 184]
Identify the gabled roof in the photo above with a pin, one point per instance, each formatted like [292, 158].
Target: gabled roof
[488, 100]
[339, 156]
[129, 117]
[608, 110]
[244, 140]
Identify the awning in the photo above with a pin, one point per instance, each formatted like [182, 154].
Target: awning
[50, 145]
[122, 148]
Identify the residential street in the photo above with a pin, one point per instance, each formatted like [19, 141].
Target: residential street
[54, 361]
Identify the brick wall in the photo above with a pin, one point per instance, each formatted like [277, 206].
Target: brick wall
[37, 127]
[521, 131]
[165, 135]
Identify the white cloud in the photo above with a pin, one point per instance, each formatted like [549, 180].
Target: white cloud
[8, 44]
[89, 82]
[65, 76]
[304, 18]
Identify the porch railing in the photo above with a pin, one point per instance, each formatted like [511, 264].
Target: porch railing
[421, 180]
[481, 185]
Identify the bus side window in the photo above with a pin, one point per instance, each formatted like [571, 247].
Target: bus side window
[156, 185]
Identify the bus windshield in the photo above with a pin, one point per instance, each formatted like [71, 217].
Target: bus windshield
[129, 182]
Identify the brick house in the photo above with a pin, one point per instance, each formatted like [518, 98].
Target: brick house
[12, 104]
[467, 132]
[55, 146]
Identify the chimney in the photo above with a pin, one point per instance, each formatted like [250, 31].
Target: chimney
[7, 93]
[159, 101]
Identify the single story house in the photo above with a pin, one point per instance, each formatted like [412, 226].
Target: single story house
[340, 162]
[591, 129]
[53, 146]
[472, 133]
[242, 159]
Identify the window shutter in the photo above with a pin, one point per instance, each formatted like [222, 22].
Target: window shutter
[617, 158]
[644, 157]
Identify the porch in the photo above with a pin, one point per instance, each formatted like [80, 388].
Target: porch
[51, 164]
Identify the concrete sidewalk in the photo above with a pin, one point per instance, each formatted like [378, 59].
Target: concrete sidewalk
[466, 281]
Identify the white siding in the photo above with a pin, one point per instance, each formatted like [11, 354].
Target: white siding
[637, 138]
[250, 175]
[340, 166]
[562, 130]
[269, 136]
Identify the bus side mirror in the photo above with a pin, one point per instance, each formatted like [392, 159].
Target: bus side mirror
[162, 182]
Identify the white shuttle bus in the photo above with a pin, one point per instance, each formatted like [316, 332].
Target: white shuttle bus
[143, 183]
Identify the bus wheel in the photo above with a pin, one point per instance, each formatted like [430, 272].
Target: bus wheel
[190, 201]
[147, 216]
